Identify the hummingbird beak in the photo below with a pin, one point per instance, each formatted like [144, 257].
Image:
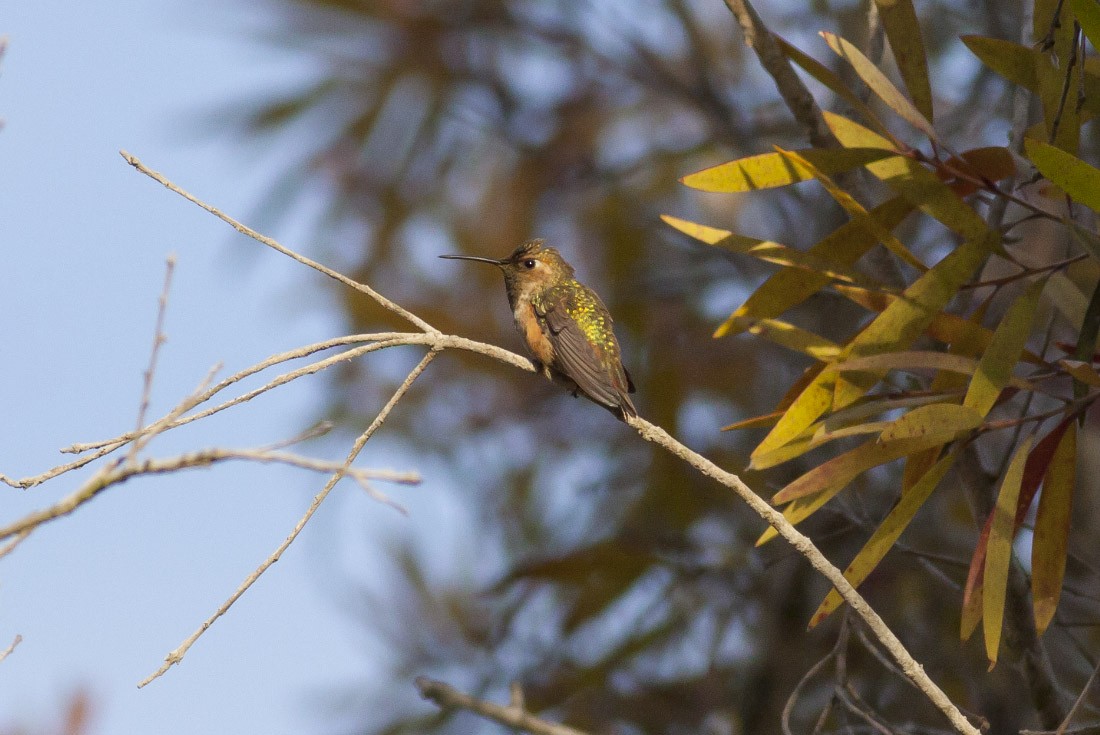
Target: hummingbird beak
[475, 258]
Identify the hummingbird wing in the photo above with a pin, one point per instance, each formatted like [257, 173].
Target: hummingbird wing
[585, 349]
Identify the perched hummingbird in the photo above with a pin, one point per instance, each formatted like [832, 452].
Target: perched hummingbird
[565, 325]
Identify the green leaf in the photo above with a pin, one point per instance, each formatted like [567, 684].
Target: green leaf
[1088, 16]
[1048, 548]
[793, 338]
[894, 329]
[886, 535]
[769, 251]
[812, 490]
[879, 83]
[998, 555]
[842, 247]
[944, 421]
[902, 27]
[834, 83]
[855, 210]
[770, 170]
[1014, 62]
[913, 181]
[1066, 171]
[995, 369]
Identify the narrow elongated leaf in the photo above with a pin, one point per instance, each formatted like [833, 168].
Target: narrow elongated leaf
[998, 555]
[794, 338]
[1068, 172]
[768, 251]
[854, 209]
[1014, 62]
[894, 329]
[887, 534]
[1048, 548]
[1082, 372]
[1088, 16]
[879, 83]
[995, 369]
[899, 20]
[769, 170]
[767, 419]
[833, 82]
[1038, 462]
[842, 469]
[913, 181]
[910, 360]
[1021, 65]
[944, 421]
[843, 247]
[875, 405]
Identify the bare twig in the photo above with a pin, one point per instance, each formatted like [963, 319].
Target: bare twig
[18, 639]
[798, 99]
[244, 230]
[118, 473]
[159, 338]
[447, 697]
[177, 655]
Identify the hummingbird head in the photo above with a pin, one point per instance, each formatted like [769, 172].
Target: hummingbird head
[530, 268]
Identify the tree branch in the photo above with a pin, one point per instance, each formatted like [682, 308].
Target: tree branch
[514, 715]
[913, 670]
[794, 93]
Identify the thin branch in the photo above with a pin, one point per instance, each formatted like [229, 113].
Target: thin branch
[244, 230]
[118, 473]
[379, 341]
[177, 655]
[515, 716]
[18, 639]
[913, 670]
[798, 99]
[159, 338]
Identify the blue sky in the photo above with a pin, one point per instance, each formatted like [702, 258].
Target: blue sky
[101, 596]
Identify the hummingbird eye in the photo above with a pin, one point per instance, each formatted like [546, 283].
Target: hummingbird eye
[529, 263]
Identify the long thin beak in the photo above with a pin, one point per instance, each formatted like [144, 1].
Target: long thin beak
[475, 258]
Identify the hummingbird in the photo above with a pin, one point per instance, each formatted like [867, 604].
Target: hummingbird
[565, 325]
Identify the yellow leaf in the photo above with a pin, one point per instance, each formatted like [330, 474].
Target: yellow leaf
[892, 330]
[899, 20]
[768, 251]
[791, 286]
[998, 555]
[1048, 548]
[769, 170]
[842, 469]
[909, 360]
[755, 422]
[855, 210]
[1088, 15]
[887, 534]
[944, 421]
[916, 183]
[1081, 372]
[907, 317]
[879, 84]
[834, 83]
[1068, 172]
[995, 369]
[794, 338]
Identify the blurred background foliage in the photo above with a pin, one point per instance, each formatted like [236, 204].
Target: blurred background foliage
[618, 587]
